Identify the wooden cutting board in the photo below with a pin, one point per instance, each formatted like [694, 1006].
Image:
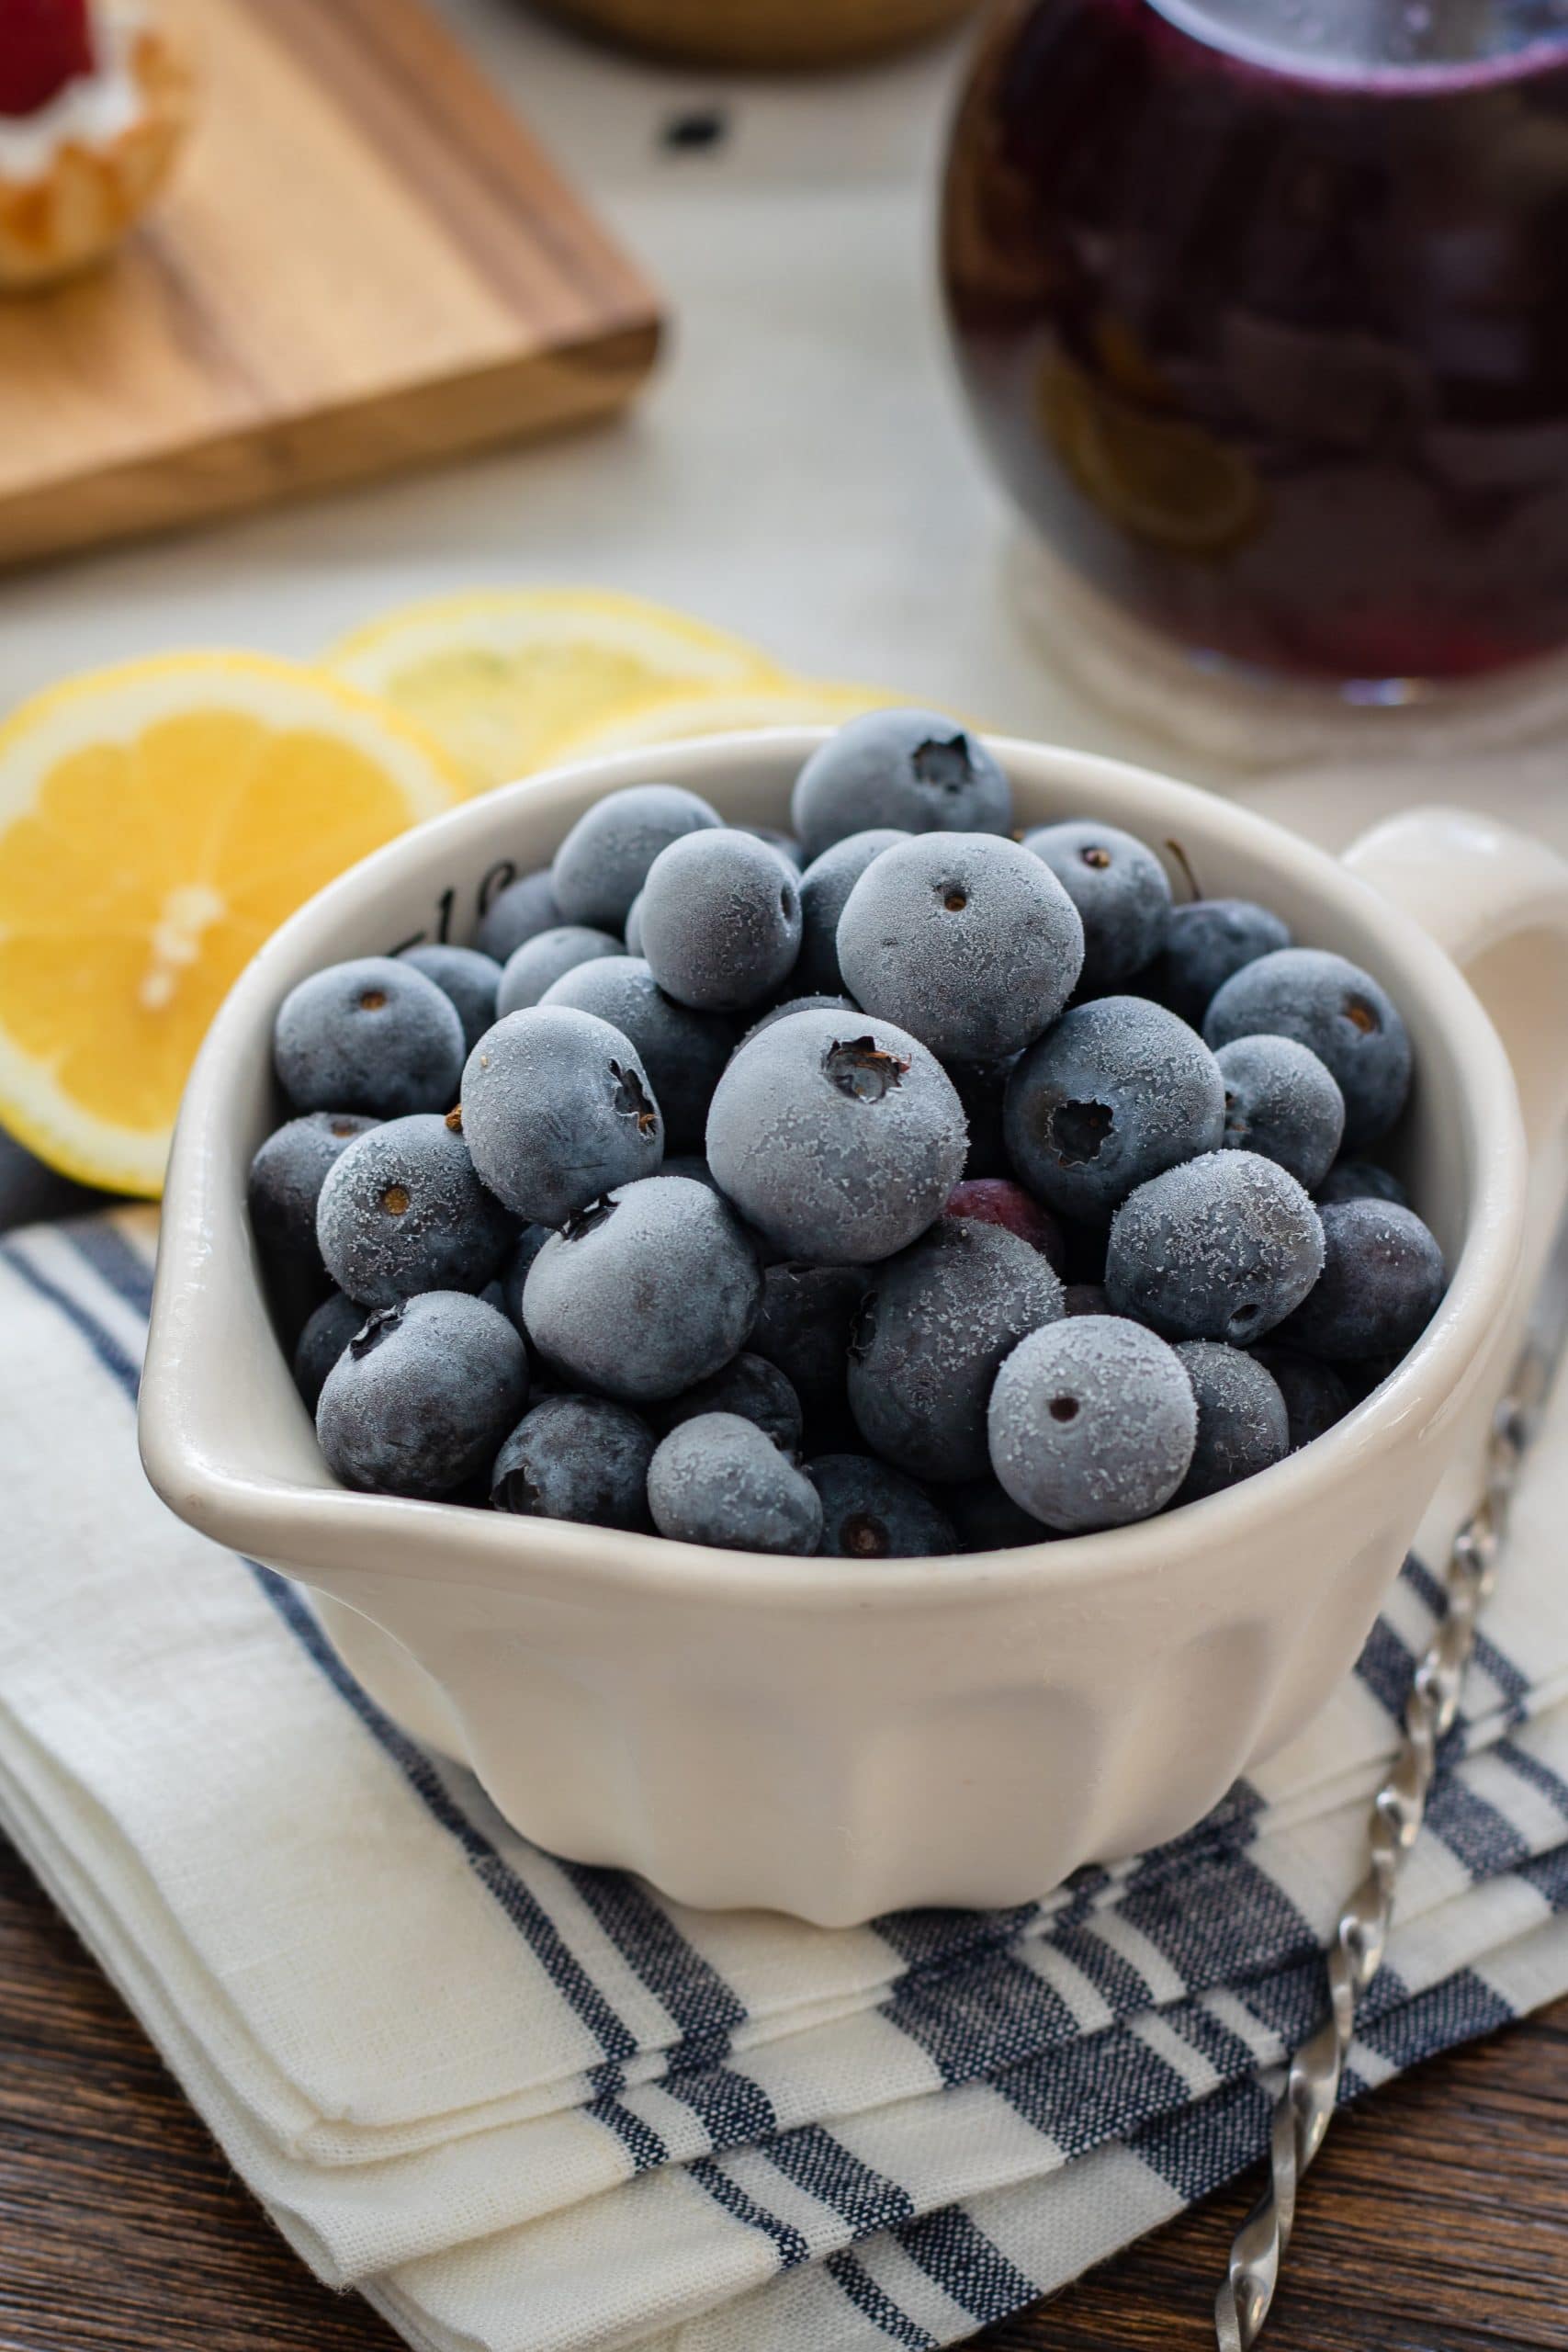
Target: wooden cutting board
[365, 264]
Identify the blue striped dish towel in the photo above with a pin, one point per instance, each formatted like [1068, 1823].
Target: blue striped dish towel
[527, 2107]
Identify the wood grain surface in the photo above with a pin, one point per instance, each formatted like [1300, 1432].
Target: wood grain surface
[364, 263]
[1437, 2220]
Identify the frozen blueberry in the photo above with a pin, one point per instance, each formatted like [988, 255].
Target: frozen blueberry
[839, 1139]
[517, 914]
[1281, 1101]
[286, 1181]
[1349, 1022]
[420, 1398]
[1120, 889]
[909, 769]
[683, 1051]
[1315, 1396]
[556, 1109]
[603, 861]
[869, 1512]
[721, 1479]
[986, 1518]
[824, 888]
[982, 1089]
[1118, 1092]
[935, 1327]
[514, 1274]
[804, 1324]
[1360, 1179]
[320, 1344]
[1382, 1282]
[1084, 1298]
[373, 1035]
[540, 962]
[750, 1386]
[1220, 1248]
[996, 1200]
[470, 979]
[799, 1004]
[967, 941]
[1204, 944]
[1092, 1423]
[403, 1210]
[576, 1457]
[634, 926]
[791, 850]
[1243, 1425]
[720, 921]
[645, 1293]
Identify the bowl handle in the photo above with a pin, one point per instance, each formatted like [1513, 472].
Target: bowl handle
[1498, 901]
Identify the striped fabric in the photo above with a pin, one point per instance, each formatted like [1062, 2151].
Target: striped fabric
[524, 2104]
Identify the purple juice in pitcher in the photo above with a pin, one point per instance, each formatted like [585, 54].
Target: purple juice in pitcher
[1262, 306]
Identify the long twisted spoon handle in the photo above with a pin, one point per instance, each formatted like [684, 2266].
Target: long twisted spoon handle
[1305, 2104]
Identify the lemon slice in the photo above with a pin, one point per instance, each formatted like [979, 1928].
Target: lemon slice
[669, 718]
[157, 821]
[497, 676]
[1161, 478]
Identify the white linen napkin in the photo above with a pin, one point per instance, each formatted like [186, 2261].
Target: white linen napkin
[524, 2104]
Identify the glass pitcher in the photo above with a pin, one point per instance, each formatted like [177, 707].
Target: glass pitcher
[1262, 308]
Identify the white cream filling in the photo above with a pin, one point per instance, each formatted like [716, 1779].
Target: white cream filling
[93, 111]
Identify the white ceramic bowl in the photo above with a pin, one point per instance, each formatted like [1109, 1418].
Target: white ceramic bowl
[831, 1737]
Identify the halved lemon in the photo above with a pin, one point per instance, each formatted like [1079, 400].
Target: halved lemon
[668, 719]
[157, 821]
[496, 676]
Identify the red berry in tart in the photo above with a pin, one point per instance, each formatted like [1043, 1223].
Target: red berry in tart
[96, 97]
[43, 45]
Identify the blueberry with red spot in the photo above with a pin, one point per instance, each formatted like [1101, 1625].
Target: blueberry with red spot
[996, 1200]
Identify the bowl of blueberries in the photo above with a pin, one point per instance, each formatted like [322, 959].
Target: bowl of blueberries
[851, 1320]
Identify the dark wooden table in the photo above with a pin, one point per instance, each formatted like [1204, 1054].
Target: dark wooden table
[121, 2226]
